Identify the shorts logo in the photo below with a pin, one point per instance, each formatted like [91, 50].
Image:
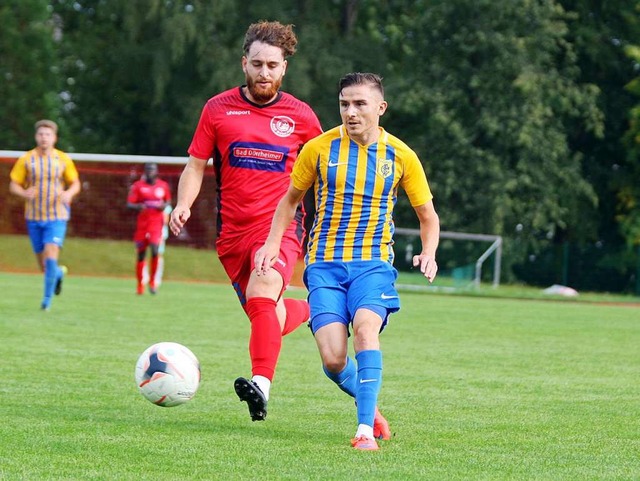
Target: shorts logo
[282, 125]
[384, 168]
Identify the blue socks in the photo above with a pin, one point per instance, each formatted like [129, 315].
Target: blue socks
[346, 379]
[51, 274]
[363, 384]
[369, 382]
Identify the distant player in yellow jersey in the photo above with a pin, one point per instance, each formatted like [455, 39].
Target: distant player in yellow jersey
[355, 169]
[47, 180]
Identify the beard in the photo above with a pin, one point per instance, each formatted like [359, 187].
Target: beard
[263, 95]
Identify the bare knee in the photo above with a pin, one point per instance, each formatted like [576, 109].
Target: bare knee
[334, 364]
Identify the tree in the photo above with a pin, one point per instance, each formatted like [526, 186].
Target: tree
[29, 71]
[602, 33]
[487, 92]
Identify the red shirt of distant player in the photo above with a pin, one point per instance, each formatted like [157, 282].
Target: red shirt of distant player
[150, 219]
[253, 149]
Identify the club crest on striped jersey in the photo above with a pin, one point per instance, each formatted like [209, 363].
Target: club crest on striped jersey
[384, 167]
[282, 126]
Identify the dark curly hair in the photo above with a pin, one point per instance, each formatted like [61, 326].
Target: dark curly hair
[271, 33]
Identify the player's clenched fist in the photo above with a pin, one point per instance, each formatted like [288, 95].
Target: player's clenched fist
[179, 217]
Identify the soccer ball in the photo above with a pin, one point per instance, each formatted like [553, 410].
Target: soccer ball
[167, 374]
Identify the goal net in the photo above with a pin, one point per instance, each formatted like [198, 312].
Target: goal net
[100, 211]
[461, 260]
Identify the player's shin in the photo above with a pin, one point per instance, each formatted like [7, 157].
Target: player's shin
[346, 379]
[297, 314]
[50, 277]
[369, 382]
[266, 339]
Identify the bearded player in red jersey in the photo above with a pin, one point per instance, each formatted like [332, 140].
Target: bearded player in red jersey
[149, 196]
[254, 133]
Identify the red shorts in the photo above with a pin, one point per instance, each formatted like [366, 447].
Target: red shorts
[147, 236]
[237, 258]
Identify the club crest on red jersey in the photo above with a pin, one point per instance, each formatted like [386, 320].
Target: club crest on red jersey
[282, 126]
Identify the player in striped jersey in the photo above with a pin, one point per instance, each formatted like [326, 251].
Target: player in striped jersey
[47, 179]
[253, 133]
[356, 170]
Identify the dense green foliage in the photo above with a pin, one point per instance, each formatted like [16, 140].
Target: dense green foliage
[518, 108]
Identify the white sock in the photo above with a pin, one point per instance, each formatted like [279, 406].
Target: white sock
[265, 385]
[365, 430]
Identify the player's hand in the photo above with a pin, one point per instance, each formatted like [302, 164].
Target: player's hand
[428, 265]
[29, 193]
[265, 257]
[179, 217]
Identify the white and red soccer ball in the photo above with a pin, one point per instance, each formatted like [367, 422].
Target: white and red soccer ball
[167, 374]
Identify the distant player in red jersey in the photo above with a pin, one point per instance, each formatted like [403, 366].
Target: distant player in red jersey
[149, 196]
[254, 133]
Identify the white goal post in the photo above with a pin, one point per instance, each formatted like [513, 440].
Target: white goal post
[127, 159]
[496, 246]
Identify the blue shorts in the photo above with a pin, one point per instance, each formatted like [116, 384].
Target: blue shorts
[338, 289]
[46, 232]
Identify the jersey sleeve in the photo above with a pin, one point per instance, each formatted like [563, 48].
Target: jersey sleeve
[204, 137]
[305, 169]
[414, 180]
[132, 198]
[314, 127]
[19, 172]
[70, 171]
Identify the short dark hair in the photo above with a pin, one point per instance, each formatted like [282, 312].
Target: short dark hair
[359, 78]
[271, 33]
[46, 123]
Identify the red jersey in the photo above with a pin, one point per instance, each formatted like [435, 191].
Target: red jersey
[154, 196]
[253, 149]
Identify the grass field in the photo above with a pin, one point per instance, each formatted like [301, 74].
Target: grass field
[474, 388]
[99, 257]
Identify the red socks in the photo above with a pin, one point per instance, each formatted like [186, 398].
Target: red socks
[266, 339]
[297, 313]
[139, 270]
[153, 270]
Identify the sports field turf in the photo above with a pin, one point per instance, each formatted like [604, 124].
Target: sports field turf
[474, 388]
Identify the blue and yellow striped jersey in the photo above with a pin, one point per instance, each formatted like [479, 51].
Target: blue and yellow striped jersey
[355, 191]
[49, 174]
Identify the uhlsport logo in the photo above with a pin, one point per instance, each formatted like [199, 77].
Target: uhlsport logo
[384, 168]
[282, 125]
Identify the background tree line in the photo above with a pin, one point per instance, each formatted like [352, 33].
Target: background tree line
[526, 113]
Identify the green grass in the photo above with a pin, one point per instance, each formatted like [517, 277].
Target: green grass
[97, 257]
[474, 388]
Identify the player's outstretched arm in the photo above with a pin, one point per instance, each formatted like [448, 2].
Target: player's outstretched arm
[188, 189]
[267, 255]
[430, 237]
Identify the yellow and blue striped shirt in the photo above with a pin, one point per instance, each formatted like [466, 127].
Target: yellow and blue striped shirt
[355, 191]
[49, 174]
